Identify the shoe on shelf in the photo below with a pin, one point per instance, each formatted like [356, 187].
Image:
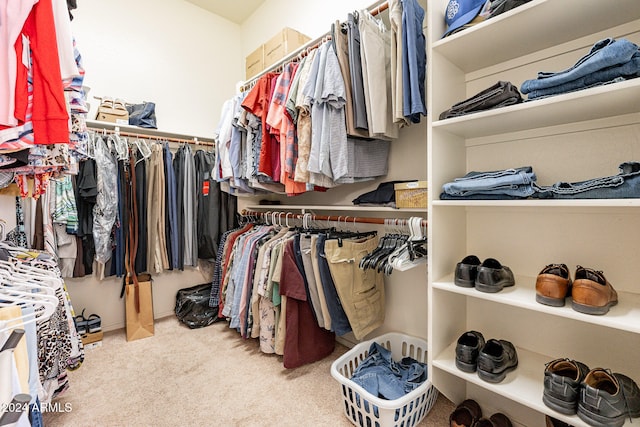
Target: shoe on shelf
[553, 285]
[467, 271]
[607, 399]
[592, 293]
[467, 349]
[552, 422]
[496, 358]
[496, 420]
[466, 414]
[493, 276]
[562, 379]
[81, 323]
[119, 104]
[94, 323]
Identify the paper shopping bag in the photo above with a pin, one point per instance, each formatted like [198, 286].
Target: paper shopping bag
[139, 307]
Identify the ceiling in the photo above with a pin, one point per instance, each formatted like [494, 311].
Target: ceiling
[235, 11]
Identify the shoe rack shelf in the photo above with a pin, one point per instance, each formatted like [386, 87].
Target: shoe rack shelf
[569, 137]
[525, 387]
[624, 316]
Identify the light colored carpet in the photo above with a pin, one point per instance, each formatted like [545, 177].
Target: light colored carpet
[202, 377]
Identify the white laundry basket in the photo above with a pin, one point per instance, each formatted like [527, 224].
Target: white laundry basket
[366, 410]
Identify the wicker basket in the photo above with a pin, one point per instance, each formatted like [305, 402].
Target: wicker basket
[366, 410]
[411, 194]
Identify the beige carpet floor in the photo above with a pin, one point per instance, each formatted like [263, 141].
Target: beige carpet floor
[202, 377]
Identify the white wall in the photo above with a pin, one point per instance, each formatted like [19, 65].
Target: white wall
[312, 18]
[178, 55]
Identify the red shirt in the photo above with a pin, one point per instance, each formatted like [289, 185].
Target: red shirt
[305, 341]
[257, 103]
[50, 118]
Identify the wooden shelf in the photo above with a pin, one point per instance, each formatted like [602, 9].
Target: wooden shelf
[529, 28]
[624, 316]
[584, 105]
[96, 124]
[581, 131]
[524, 384]
[550, 203]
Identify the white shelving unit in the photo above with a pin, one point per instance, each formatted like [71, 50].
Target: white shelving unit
[570, 137]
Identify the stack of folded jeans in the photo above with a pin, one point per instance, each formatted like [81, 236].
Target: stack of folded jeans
[385, 378]
[624, 185]
[608, 61]
[503, 184]
[499, 95]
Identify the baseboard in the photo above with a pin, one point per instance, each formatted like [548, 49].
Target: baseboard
[122, 325]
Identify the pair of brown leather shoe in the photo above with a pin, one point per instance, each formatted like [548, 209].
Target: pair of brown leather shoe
[469, 414]
[590, 291]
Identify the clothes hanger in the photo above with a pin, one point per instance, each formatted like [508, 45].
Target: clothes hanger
[43, 306]
[22, 282]
[143, 149]
[413, 252]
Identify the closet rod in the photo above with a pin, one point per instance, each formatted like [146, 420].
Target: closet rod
[156, 137]
[346, 219]
[309, 46]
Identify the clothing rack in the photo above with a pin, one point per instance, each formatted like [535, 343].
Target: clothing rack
[340, 219]
[306, 48]
[132, 132]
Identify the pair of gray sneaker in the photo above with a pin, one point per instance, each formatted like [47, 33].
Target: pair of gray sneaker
[601, 398]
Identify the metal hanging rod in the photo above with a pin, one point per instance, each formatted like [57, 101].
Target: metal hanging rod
[340, 219]
[117, 131]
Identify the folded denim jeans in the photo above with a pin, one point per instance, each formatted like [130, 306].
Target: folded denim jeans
[605, 53]
[525, 191]
[499, 95]
[625, 185]
[513, 182]
[616, 73]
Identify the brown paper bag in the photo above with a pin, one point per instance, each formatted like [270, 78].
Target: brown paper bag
[139, 307]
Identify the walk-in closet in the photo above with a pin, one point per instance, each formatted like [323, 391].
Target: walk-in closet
[323, 213]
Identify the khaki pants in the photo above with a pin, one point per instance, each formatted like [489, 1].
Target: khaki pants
[361, 291]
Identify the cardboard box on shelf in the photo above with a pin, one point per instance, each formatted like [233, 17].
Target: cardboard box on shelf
[254, 62]
[286, 41]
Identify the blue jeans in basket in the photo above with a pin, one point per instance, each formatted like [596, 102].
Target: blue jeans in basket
[383, 377]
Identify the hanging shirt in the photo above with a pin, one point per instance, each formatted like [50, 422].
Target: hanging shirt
[397, 52]
[414, 59]
[50, 117]
[222, 169]
[305, 341]
[303, 106]
[279, 120]
[64, 39]
[13, 14]
[257, 102]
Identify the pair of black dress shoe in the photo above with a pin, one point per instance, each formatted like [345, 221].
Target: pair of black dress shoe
[600, 397]
[469, 414]
[489, 276]
[491, 359]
